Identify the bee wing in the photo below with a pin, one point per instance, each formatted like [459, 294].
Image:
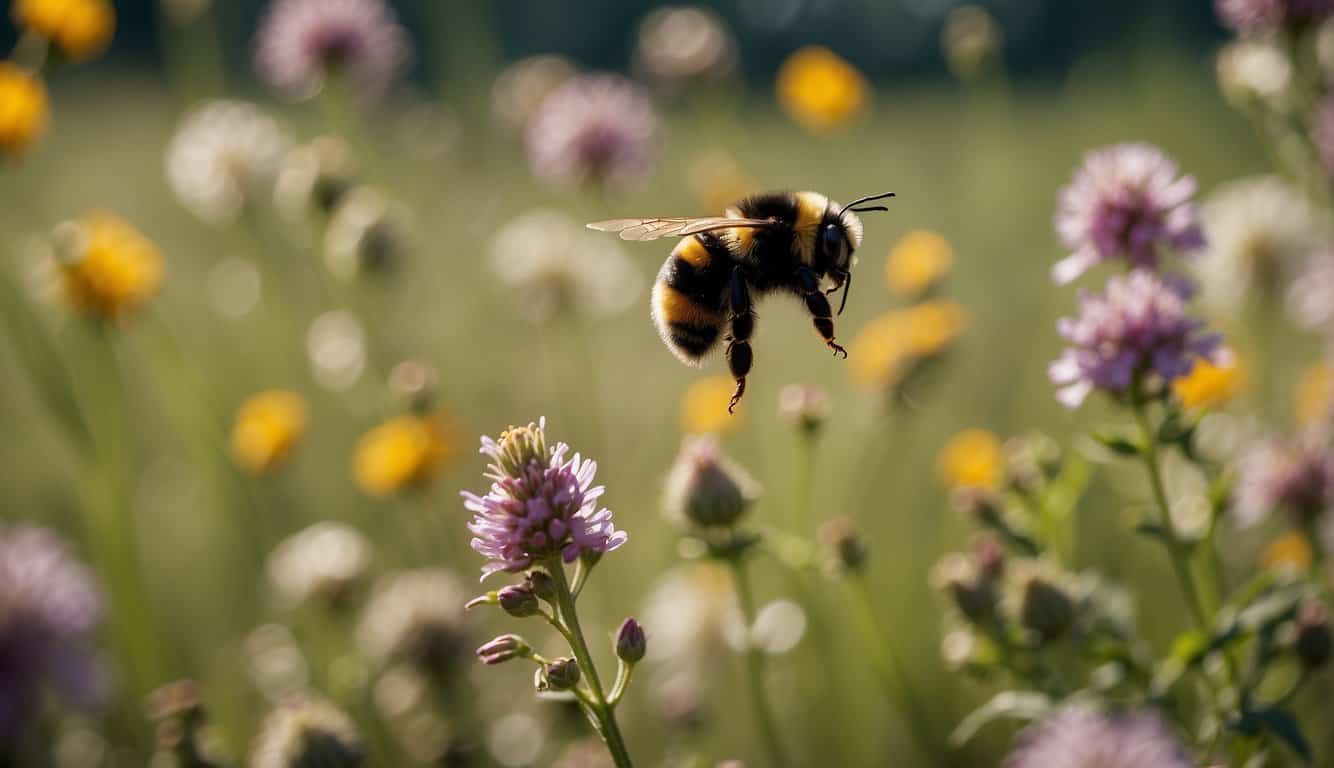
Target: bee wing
[654, 228]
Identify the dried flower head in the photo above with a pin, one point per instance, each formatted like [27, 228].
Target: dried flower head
[821, 90]
[541, 505]
[1253, 72]
[223, 157]
[1261, 232]
[598, 128]
[369, 234]
[1127, 202]
[1211, 383]
[25, 109]
[50, 610]
[315, 177]
[917, 263]
[307, 732]
[704, 407]
[302, 44]
[415, 618]
[1136, 328]
[106, 268]
[82, 28]
[972, 41]
[267, 426]
[1077, 737]
[324, 563]
[405, 452]
[522, 86]
[972, 459]
[679, 44]
[1293, 476]
[706, 488]
[558, 267]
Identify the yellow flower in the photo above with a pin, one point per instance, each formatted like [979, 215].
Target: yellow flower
[404, 451]
[882, 351]
[917, 262]
[1210, 385]
[821, 90]
[704, 407]
[1290, 551]
[24, 109]
[82, 28]
[972, 459]
[1315, 395]
[267, 425]
[107, 268]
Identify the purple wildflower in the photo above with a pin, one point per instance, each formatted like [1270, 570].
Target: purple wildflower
[1249, 16]
[49, 610]
[594, 128]
[1077, 737]
[1136, 327]
[1129, 202]
[300, 42]
[1295, 476]
[540, 504]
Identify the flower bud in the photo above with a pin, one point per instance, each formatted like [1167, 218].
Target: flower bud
[1045, 608]
[413, 381]
[706, 488]
[521, 446]
[308, 732]
[315, 177]
[1313, 633]
[846, 543]
[960, 579]
[518, 601]
[542, 585]
[504, 648]
[560, 675]
[631, 642]
[989, 556]
[977, 503]
[804, 406]
[368, 234]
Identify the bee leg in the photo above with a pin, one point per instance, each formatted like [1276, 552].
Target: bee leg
[822, 316]
[739, 355]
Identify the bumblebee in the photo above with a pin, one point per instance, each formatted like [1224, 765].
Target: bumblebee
[797, 242]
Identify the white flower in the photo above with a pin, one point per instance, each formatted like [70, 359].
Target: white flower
[1260, 232]
[223, 156]
[1250, 70]
[320, 562]
[556, 265]
[690, 609]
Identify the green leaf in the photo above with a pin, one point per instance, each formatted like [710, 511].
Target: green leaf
[1014, 705]
[1190, 647]
[1117, 443]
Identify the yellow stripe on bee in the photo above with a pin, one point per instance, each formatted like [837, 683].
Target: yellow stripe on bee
[675, 307]
[742, 237]
[811, 207]
[693, 252]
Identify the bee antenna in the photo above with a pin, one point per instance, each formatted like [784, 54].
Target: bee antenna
[867, 199]
[869, 208]
[847, 283]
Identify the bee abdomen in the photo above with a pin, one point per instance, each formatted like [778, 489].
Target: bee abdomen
[689, 296]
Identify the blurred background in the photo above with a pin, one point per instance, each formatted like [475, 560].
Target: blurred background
[466, 258]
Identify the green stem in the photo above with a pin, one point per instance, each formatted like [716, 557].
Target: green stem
[803, 459]
[755, 666]
[892, 671]
[602, 713]
[1177, 550]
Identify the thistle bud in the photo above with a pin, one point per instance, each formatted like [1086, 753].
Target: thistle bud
[804, 406]
[308, 732]
[989, 556]
[959, 578]
[518, 601]
[542, 585]
[368, 234]
[560, 675]
[504, 648]
[414, 382]
[1313, 633]
[315, 177]
[979, 504]
[631, 642]
[846, 543]
[1045, 608]
[706, 488]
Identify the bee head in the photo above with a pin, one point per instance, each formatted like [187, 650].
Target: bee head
[841, 235]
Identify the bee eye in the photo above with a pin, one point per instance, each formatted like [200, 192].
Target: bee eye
[833, 239]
